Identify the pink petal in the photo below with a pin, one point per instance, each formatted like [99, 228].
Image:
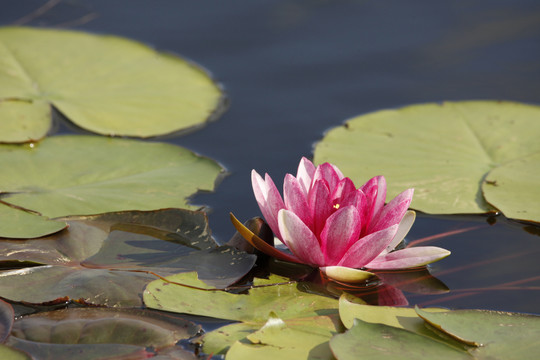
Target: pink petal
[327, 172]
[305, 172]
[320, 205]
[338, 172]
[408, 258]
[341, 230]
[268, 198]
[343, 188]
[393, 212]
[295, 199]
[404, 226]
[381, 195]
[358, 200]
[370, 189]
[299, 238]
[368, 247]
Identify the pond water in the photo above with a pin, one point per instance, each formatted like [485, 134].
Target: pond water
[293, 69]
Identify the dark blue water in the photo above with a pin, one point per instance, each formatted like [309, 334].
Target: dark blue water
[293, 69]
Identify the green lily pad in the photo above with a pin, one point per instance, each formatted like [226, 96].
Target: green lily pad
[292, 340]
[275, 294]
[498, 335]
[514, 188]
[443, 151]
[350, 308]
[8, 353]
[94, 262]
[15, 223]
[82, 175]
[104, 84]
[378, 341]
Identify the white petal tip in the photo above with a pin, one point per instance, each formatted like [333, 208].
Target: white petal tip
[346, 274]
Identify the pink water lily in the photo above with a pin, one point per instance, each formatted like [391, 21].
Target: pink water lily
[327, 222]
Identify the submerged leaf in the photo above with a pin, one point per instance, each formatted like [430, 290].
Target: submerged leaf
[102, 326]
[6, 320]
[104, 84]
[90, 262]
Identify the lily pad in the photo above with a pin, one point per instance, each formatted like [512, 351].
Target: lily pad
[443, 151]
[275, 294]
[498, 335]
[90, 262]
[514, 188]
[377, 341]
[104, 84]
[292, 340]
[82, 175]
[8, 353]
[15, 223]
[399, 317]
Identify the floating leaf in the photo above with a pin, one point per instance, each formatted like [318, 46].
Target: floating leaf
[443, 151]
[220, 340]
[377, 341]
[298, 339]
[400, 317]
[514, 188]
[275, 294]
[8, 353]
[105, 84]
[499, 335]
[15, 223]
[81, 175]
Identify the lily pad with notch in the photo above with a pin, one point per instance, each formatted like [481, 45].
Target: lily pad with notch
[104, 84]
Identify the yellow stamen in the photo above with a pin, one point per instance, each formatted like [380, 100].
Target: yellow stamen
[336, 206]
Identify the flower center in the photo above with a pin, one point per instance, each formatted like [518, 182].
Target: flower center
[336, 206]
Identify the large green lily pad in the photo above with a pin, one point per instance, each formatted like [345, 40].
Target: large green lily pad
[7, 353]
[255, 306]
[294, 339]
[515, 188]
[16, 223]
[82, 175]
[497, 334]
[443, 151]
[104, 84]
[378, 341]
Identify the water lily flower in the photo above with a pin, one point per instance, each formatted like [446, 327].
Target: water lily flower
[326, 222]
